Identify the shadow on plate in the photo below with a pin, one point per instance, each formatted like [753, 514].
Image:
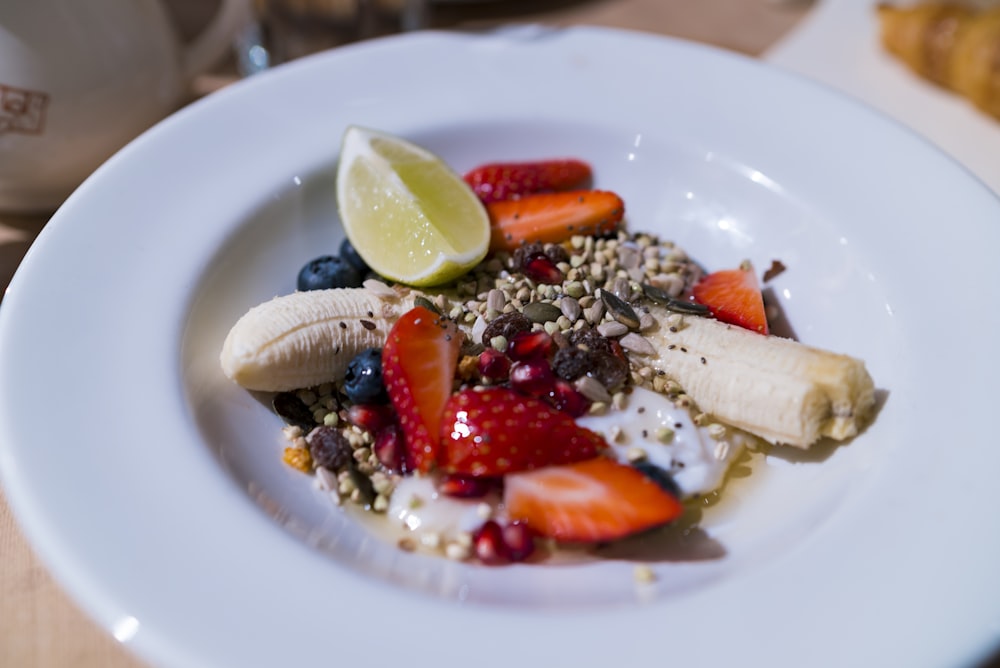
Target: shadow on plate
[823, 449]
[682, 541]
[777, 322]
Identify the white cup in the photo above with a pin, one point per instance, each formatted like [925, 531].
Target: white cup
[81, 78]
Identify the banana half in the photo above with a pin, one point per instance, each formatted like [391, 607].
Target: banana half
[775, 388]
[307, 338]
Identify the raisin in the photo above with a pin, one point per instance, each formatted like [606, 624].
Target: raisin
[591, 340]
[610, 370]
[506, 325]
[572, 363]
[291, 409]
[591, 354]
[330, 448]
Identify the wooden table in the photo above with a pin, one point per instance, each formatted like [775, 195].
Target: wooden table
[39, 625]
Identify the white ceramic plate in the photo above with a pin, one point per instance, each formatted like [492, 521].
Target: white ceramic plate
[839, 45]
[154, 490]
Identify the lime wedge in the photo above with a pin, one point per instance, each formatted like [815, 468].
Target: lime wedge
[410, 217]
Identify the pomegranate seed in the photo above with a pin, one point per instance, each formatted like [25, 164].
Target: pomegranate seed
[465, 487]
[489, 545]
[371, 417]
[530, 346]
[390, 448]
[534, 378]
[519, 541]
[566, 398]
[494, 365]
[541, 269]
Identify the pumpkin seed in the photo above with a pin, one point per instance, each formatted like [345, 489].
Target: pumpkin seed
[420, 300]
[542, 312]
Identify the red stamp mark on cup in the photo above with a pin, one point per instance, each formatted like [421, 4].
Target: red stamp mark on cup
[22, 110]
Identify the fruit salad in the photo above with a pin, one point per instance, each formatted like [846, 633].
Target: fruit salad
[578, 384]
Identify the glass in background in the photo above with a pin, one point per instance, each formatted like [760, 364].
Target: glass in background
[290, 29]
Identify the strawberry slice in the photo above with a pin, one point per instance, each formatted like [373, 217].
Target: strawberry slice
[510, 180]
[498, 430]
[552, 217]
[418, 366]
[590, 501]
[733, 296]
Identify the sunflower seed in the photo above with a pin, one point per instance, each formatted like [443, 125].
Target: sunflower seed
[612, 329]
[637, 344]
[570, 308]
[595, 312]
[677, 305]
[496, 300]
[621, 288]
[592, 389]
[620, 310]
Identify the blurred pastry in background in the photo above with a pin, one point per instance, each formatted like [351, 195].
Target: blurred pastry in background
[956, 46]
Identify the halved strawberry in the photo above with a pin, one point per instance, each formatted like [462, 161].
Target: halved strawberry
[418, 366]
[510, 180]
[552, 217]
[733, 296]
[498, 430]
[590, 501]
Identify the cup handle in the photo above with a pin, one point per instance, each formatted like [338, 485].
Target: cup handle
[211, 44]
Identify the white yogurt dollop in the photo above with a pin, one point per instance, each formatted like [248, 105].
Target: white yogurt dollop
[697, 458]
[417, 505]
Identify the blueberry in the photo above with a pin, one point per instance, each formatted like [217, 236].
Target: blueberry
[348, 252]
[660, 476]
[363, 382]
[328, 271]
